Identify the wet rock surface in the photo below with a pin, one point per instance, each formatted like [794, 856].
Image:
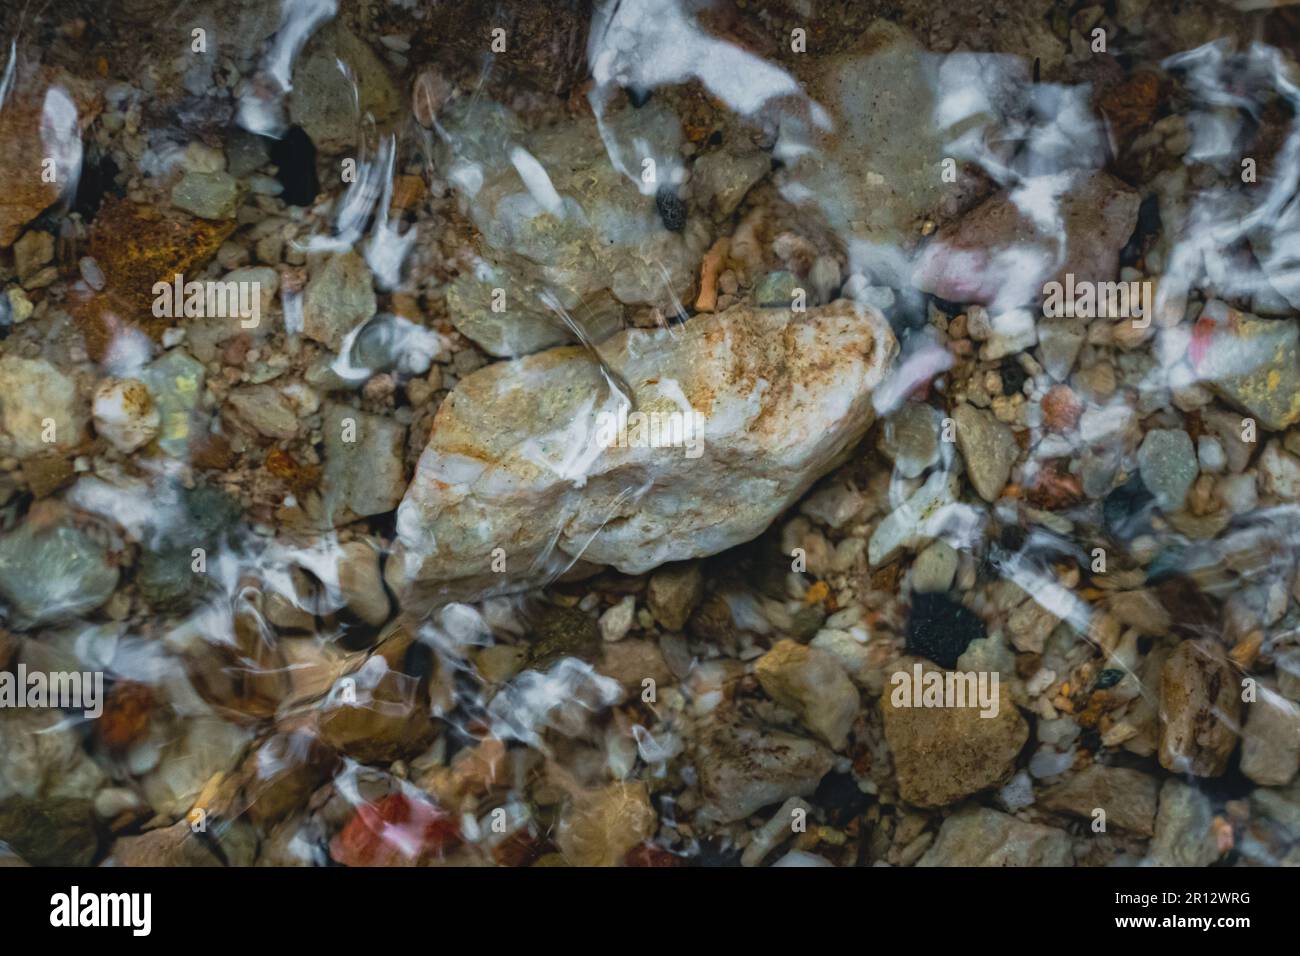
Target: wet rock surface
[514, 438]
[552, 448]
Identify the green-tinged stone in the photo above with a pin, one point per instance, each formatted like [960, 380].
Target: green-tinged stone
[776, 289]
[176, 381]
[563, 632]
[207, 195]
[1255, 366]
[53, 574]
[50, 832]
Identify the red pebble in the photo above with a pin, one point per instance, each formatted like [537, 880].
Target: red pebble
[396, 831]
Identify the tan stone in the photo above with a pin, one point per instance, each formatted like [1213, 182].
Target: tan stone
[944, 754]
[1200, 708]
[600, 827]
[812, 683]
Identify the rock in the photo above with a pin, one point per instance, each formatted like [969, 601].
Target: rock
[945, 754]
[397, 830]
[934, 568]
[363, 476]
[743, 768]
[988, 448]
[1030, 625]
[265, 410]
[1013, 332]
[812, 684]
[617, 621]
[47, 787]
[338, 298]
[324, 101]
[1279, 473]
[1183, 828]
[941, 629]
[202, 747]
[176, 845]
[776, 290]
[38, 400]
[360, 583]
[563, 632]
[176, 382]
[911, 438]
[42, 757]
[850, 648]
[774, 832]
[632, 661]
[834, 505]
[32, 253]
[1200, 707]
[917, 522]
[207, 195]
[673, 594]
[52, 574]
[1255, 365]
[388, 720]
[871, 167]
[1167, 461]
[523, 327]
[1270, 746]
[600, 827]
[1059, 342]
[125, 413]
[518, 444]
[559, 219]
[978, 836]
[1129, 797]
[48, 106]
[136, 246]
[998, 254]
[50, 832]
[725, 176]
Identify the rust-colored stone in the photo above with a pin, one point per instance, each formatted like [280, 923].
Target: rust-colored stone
[137, 247]
[23, 152]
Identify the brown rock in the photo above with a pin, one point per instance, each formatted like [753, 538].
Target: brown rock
[23, 149]
[1200, 710]
[673, 593]
[631, 661]
[599, 828]
[45, 831]
[966, 261]
[1061, 409]
[983, 837]
[1129, 797]
[282, 773]
[176, 845]
[944, 754]
[47, 473]
[389, 719]
[812, 683]
[743, 768]
[136, 247]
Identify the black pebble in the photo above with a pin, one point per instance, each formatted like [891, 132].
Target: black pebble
[295, 158]
[1109, 678]
[637, 96]
[96, 179]
[1012, 537]
[671, 209]
[1127, 509]
[840, 797]
[940, 628]
[1013, 376]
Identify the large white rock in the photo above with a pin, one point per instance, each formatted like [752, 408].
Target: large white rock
[517, 457]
